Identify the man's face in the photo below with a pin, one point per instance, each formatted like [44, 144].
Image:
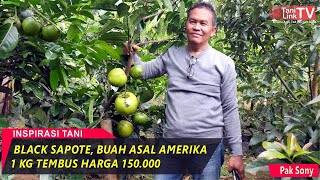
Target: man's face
[199, 26]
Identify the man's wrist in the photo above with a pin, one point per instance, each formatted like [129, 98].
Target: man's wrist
[236, 156]
[236, 149]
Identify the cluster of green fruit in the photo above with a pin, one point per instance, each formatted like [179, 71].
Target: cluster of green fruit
[126, 103]
[32, 27]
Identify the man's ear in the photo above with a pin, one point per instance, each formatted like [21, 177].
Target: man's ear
[213, 31]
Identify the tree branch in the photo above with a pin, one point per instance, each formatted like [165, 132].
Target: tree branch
[280, 78]
[286, 86]
[153, 15]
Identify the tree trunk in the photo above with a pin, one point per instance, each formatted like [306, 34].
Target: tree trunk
[106, 124]
[5, 98]
[315, 86]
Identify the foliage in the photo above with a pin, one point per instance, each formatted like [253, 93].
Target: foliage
[288, 153]
[275, 61]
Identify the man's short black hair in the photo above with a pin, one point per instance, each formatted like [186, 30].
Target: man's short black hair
[207, 6]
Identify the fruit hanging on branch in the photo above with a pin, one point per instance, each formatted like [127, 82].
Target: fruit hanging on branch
[125, 129]
[117, 77]
[126, 103]
[136, 71]
[50, 33]
[140, 118]
[31, 27]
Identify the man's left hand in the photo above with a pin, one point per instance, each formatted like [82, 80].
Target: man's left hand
[236, 163]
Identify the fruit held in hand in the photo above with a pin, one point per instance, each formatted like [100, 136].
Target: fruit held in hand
[125, 129]
[126, 103]
[50, 33]
[136, 71]
[140, 118]
[117, 77]
[31, 27]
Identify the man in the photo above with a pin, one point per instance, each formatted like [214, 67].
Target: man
[201, 94]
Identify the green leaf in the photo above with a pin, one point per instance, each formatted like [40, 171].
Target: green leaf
[146, 96]
[74, 32]
[106, 5]
[63, 77]
[182, 9]
[291, 127]
[247, 2]
[261, 165]
[314, 100]
[168, 4]
[315, 136]
[77, 123]
[257, 166]
[54, 78]
[117, 38]
[160, 3]
[278, 35]
[123, 9]
[40, 115]
[94, 124]
[300, 153]
[3, 122]
[50, 55]
[44, 62]
[316, 160]
[99, 54]
[71, 105]
[87, 14]
[36, 91]
[55, 109]
[110, 24]
[16, 3]
[270, 145]
[292, 143]
[280, 43]
[90, 111]
[63, 4]
[134, 19]
[256, 140]
[108, 49]
[272, 154]
[316, 36]
[9, 38]
[267, 145]
[283, 147]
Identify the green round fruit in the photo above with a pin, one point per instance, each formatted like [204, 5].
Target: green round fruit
[125, 129]
[31, 27]
[140, 118]
[16, 22]
[136, 71]
[117, 77]
[126, 103]
[50, 33]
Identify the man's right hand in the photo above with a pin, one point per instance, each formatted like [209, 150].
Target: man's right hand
[127, 46]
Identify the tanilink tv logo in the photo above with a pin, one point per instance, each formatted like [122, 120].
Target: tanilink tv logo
[293, 13]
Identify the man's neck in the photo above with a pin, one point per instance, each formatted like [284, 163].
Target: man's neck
[195, 50]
